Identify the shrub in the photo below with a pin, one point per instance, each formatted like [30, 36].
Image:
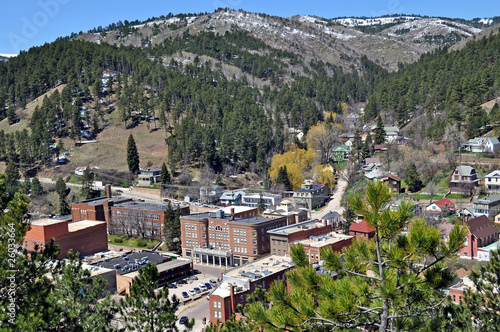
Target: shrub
[141, 243]
[151, 246]
[118, 240]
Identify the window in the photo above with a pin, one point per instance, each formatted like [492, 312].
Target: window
[203, 227]
[218, 228]
[254, 233]
[254, 241]
[204, 235]
[215, 304]
[255, 251]
[218, 305]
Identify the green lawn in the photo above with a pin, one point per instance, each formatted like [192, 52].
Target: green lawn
[429, 197]
[131, 242]
[458, 196]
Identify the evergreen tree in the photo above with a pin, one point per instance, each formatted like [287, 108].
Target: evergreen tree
[87, 182]
[172, 230]
[368, 146]
[61, 188]
[412, 178]
[12, 177]
[283, 178]
[146, 308]
[164, 175]
[393, 282]
[36, 187]
[261, 206]
[64, 208]
[380, 133]
[132, 156]
[357, 146]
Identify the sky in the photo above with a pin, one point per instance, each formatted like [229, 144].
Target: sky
[28, 23]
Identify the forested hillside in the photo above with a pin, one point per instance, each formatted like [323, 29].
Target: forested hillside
[450, 86]
[206, 117]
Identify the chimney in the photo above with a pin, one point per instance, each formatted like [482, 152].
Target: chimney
[108, 190]
[232, 286]
[232, 213]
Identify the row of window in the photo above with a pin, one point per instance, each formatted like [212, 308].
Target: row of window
[191, 243]
[241, 249]
[239, 232]
[242, 240]
[189, 226]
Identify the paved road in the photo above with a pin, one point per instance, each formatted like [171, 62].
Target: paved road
[334, 203]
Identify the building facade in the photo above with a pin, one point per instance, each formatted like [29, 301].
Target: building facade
[85, 236]
[253, 199]
[482, 233]
[464, 179]
[312, 194]
[227, 239]
[492, 181]
[488, 206]
[149, 176]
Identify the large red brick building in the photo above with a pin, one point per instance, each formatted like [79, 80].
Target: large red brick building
[239, 282]
[313, 235]
[227, 237]
[362, 230]
[125, 216]
[481, 233]
[85, 236]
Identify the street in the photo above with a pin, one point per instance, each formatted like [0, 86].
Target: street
[334, 203]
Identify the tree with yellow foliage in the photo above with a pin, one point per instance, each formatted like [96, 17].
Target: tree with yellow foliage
[323, 174]
[323, 137]
[297, 162]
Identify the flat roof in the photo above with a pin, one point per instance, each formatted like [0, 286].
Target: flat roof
[239, 220]
[237, 209]
[253, 271]
[294, 228]
[323, 240]
[100, 201]
[95, 270]
[162, 267]
[492, 246]
[46, 222]
[82, 224]
[132, 257]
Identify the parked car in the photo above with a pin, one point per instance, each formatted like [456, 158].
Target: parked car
[191, 291]
[183, 320]
[196, 271]
[185, 295]
[172, 286]
[208, 286]
[197, 290]
[213, 282]
[203, 288]
[119, 191]
[181, 282]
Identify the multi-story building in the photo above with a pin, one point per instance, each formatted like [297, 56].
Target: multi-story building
[463, 179]
[481, 233]
[488, 206]
[85, 236]
[313, 235]
[492, 181]
[125, 216]
[239, 282]
[362, 230]
[312, 194]
[227, 239]
[253, 199]
[149, 176]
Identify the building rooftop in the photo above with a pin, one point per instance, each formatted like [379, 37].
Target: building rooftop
[324, 240]
[135, 205]
[47, 222]
[128, 262]
[237, 209]
[101, 200]
[224, 216]
[242, 276]
[95, 270]
[165, 266]
[361, 227]
[488, 199]
[82, 224]
[299, 227]
[494, 174]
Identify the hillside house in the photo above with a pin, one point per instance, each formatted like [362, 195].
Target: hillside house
[483, 144]
[361, 230]
[149, 176]
[492, 181]
[231, 197]
[464, 179]
[394, 182]
[210, 194]
[440, 209]
[340, 153]
[488, 206]
[312, 194]
[379, 148]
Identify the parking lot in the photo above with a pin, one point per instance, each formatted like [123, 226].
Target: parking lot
[196, 305]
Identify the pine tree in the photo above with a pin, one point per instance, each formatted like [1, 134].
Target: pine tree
[368, 146]
[393, 282]
[164, 175]
[61, 188]
[64, 208]
[261, 205]
[412, 178]
[87, 181]
[357, 146]
[36, 187]
[380, 133]
[132, 156]
[283, 178]
[12, 177]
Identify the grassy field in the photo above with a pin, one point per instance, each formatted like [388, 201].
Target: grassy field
[131, 242]
[429, 197]
[457, 196]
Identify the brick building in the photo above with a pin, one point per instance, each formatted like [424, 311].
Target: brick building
[313, 235]
[125, 216]
[362, 230]
[239, 282]
[481, 233]
[84, 236]
[227, 239]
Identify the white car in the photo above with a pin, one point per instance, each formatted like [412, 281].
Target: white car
[191, 292]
